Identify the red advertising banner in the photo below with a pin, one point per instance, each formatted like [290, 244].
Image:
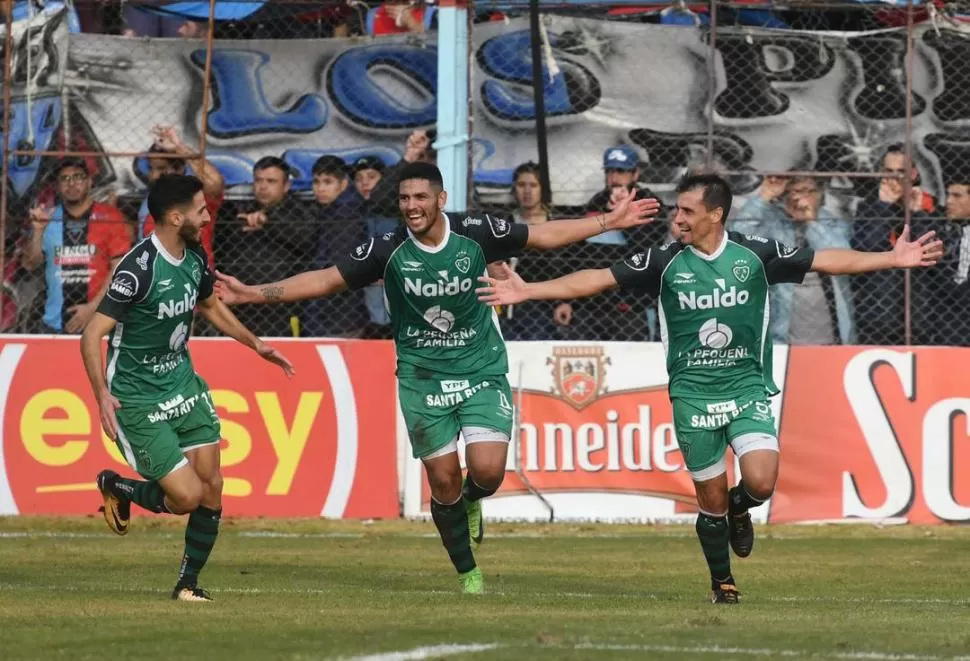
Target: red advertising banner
[871, 433]
[321, 443]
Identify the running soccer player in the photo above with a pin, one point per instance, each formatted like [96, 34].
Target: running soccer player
[153, 404]
[451, 358]
[713, 310]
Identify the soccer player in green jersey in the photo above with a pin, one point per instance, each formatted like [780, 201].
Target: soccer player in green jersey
[152, 403]
[713, 310]
[451, 359]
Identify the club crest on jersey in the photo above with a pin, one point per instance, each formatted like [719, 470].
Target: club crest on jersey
[741, 270]
[463, 263]
[142, 261]
[578, 374]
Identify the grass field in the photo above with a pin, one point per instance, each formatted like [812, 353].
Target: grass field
[69, 589]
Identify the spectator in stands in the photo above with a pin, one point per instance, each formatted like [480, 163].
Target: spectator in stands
[615, 315]
[791, 210]
[270, 238]
[396, 17]
[79, 241]
[534, 320]
[879, 218]
[340, 218]
[941, 296]
[368, 171]
[168, 141]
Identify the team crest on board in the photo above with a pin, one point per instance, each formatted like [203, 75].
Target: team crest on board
[578, 374]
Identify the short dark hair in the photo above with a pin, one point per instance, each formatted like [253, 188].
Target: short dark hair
[717, 191]
[330, 164]
[177, 162]
[169, 192]
[529, 167]
[895, 148]
[267, 162]
[71, 162]
[422, 170]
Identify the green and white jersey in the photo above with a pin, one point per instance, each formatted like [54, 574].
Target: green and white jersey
[152, 295]
[713, 311]
[441, 329]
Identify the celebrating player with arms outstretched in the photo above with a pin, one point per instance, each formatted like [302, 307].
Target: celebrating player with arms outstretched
[713, 310]
[451, 359]
[153, 404]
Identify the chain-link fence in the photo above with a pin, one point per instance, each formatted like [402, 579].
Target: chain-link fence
[296, 116]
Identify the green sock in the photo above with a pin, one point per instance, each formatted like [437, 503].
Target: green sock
[740, 500]
[452, 523]
[148, 495]
[715, 539]
[471, 492]
[200, 537]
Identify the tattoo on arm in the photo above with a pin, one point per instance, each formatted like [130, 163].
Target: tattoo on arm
[272, 294]
[602, 221]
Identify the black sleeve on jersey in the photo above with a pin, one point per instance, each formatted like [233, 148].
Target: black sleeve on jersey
[499, 238]
[207, 282]
[782, 263]
[365, 264]
[641, 271]
[130, 283]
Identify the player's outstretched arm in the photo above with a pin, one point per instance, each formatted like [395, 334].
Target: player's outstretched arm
[513, 289]
[628, 212]
[99, 326]
[221, 317]
[922, 252]
[311, 284]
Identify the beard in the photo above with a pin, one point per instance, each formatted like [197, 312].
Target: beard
[190, 235]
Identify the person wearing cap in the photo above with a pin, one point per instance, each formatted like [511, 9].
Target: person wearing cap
[340, 219]
[168, 141]
[614, 315]
[272, 236]
[367, 171]
[79, 242]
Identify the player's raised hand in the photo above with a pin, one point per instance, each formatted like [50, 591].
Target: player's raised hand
[507, 289]
[924, 251]
[108, 404]
[230, 290]
[629, 212]
[266, 352]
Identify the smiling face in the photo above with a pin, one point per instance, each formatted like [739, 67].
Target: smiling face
[693, 220]
[421, 204]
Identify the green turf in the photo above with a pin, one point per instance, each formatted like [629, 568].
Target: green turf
[330, 590]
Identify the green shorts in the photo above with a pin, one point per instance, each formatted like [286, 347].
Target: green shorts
[153, 438]
[436, 410]
[705, 428]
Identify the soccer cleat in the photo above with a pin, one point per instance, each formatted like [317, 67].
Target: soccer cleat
[742, 534]
[724, 593]
[472, 582]
[190, 593]
[117, 507]
[476, 524]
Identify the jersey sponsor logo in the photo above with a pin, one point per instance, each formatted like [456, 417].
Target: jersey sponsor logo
[471, 221]
[718, 298]
[454, 386]
[440, 287]
[785, 250]
[142, 261]
[175, 308]
[578, 374]
[123, 287]
[179, 336]
[741, 270]
[454, 397]
[463, 263]
[638, 261]
[714, 335]
[74, 255]
[173, 408]
[164, 285]
[753, 237]
[410, 267]
[499, 226]
[722, 407]
[362, 252]
[683, 278]
[439, 318]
